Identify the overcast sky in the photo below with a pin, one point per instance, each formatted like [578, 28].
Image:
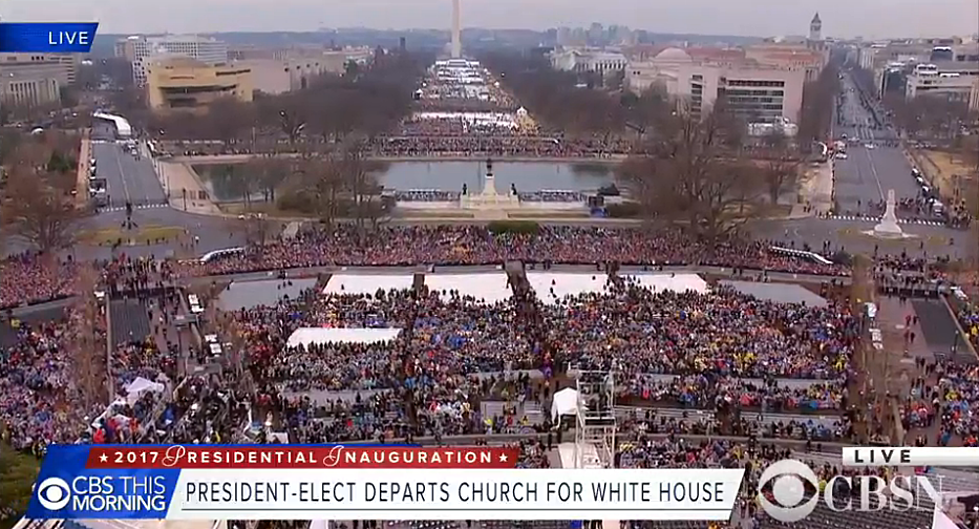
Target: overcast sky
[841, 18]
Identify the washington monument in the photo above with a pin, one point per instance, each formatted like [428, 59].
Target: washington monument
[456, 30]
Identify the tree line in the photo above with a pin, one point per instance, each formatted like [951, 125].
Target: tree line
[364, 101]
[38, 204]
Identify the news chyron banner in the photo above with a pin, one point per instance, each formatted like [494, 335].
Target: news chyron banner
[278, 482]
[47, 37]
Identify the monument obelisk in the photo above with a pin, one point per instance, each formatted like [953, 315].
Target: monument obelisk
[888, 226]
[456, 29]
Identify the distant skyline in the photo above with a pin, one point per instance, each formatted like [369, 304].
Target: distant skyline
[759, 18]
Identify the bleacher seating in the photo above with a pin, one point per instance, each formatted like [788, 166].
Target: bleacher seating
[130, 322]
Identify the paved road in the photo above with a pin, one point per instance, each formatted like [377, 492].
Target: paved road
[867, 174]
[127, 179]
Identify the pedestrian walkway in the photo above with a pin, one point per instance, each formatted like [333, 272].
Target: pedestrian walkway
[916, 222]
[817, 189]
[136, 206]
[186, 191]
[84, 156]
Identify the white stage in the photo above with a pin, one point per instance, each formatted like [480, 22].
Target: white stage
[366, 283]
[675, 282]
[490, 287]
[318, 335]
[564, 284]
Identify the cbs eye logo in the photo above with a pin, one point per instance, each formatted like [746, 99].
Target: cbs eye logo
[789, 490]
[53, 494]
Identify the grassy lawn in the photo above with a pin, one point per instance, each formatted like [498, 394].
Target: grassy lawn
[17, 474]
[955, 178]
[140, 236]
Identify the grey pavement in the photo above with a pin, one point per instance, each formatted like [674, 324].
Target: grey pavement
[245, 295]
[128, 179]
[778, 292]
[867, 174]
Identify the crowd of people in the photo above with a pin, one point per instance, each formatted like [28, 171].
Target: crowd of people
[684, 350]
[475, 245]
[29, 278]
[513, 145]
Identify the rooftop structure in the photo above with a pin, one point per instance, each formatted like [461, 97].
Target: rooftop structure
[182, 83]
[142, 50]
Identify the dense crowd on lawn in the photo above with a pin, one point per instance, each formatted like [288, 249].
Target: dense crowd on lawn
[476, 145]
[28, 278]
[681, 350]
[470, 245]
[948, 397]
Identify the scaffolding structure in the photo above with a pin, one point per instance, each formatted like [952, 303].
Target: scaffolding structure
[594, 444]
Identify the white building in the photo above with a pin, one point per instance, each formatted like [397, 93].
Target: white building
[584, 60]
[949, 79]
[206, 50]
[758, 93]
[974, 96]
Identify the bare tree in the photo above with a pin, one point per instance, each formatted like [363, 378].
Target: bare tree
[35, 210]
[697, 177]
[367, 207]
[780, 168]
[270, 172]
[319, 179]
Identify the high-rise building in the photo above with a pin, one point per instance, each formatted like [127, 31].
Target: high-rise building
[141, 50]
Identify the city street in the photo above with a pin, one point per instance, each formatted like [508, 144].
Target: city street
[127, 179]
[867, 174]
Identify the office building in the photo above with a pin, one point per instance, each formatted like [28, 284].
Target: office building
[181, 83]
[789, 56]
[34, 79]
[588, 60]
[141, 51]
[950, 79]
[759, 93]
[277, 76]
[974, 96]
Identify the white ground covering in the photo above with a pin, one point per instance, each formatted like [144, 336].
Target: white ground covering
[674, 282]
[490, 286]
[589, 456]
[308, 335]
[564, 284]
[366, 283]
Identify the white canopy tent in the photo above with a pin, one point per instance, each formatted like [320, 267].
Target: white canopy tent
[565, 402]
[319, 335]
[136, 389]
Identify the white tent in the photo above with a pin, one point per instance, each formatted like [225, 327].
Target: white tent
[565, 403]
[136, 389]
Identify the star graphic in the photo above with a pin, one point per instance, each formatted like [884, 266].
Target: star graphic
[503, 458]
[103, 458]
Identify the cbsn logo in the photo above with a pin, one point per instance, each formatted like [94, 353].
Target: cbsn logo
[797, 490]
[103, 493]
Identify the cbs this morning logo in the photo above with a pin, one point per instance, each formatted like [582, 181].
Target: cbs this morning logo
[791, 479]
[53, 494]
